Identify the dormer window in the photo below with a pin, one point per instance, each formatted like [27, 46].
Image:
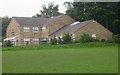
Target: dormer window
[26, 29]
[35, 29]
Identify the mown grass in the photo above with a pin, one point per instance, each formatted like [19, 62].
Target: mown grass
[72, 58]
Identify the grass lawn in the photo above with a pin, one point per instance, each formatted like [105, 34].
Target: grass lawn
[85, 58]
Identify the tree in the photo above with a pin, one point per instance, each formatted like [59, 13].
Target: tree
[0, 29]
[5, 23]
[116, 38]
[50, 11]
[105, 13]
[67, 39]
[85, 38]
[60, 40]
[8, 43]
[53, 41]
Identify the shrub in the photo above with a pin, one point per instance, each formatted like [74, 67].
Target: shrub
[109, 41]
[8, 43]
[60, 41]
[53, 41]
[94, 40]
[67, 38]
[116, 38]
[103, 40]
[85, 38]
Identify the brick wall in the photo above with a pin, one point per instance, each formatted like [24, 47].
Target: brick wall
[94, 28]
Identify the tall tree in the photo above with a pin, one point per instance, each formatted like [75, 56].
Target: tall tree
[5, 23]
[0, 29]
[105, 13]
[49, 11]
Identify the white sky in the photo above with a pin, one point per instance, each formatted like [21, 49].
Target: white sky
[26, 8]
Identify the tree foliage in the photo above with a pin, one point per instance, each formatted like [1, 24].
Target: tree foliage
[105, 13]
[5, 23]
[54, 41]
[67, 39]
[8, 43]
[85, 38]
[49, 11]
[116, 38]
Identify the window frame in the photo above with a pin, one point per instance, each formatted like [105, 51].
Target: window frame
[26, 29]
[35, 29]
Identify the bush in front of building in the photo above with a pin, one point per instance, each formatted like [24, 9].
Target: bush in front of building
[103, 40]
[60, 40]
[54, 41]
[67, 39]
[8, 43]
[85, 38]
[116, 38]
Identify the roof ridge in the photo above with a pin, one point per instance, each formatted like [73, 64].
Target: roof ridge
[58, 30]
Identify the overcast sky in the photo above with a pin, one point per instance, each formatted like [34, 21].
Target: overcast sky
[26, 8]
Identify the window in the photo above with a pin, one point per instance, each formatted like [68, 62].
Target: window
[94, 36]
[35, 29]
[36, 41]
[26, 29]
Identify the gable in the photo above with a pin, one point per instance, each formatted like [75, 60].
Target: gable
[93, 27]
[13, 27]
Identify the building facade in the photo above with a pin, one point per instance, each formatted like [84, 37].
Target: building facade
[31, 31]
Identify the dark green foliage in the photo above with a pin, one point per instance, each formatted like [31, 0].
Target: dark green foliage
[67, 39]
[116, 38]
[94, 40]
[8, 43]
[50, 11]
[5, 23]
[106, 13]
[60, 41]
[103, 40]
[109, 41]
[85, 38]
[53, 41]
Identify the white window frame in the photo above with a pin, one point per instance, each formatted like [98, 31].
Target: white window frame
[35, 29]
[94, 36]
[26, 29]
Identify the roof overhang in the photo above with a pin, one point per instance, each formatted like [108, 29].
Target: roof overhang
[10, 38]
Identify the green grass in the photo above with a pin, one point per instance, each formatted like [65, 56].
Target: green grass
[72, 58]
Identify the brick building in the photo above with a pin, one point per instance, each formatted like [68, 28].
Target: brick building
[31, 31]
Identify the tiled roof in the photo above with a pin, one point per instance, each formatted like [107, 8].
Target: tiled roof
[52, 19]
[70, 28]
[27, 21]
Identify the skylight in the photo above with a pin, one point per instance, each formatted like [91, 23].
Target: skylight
[75, 23]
